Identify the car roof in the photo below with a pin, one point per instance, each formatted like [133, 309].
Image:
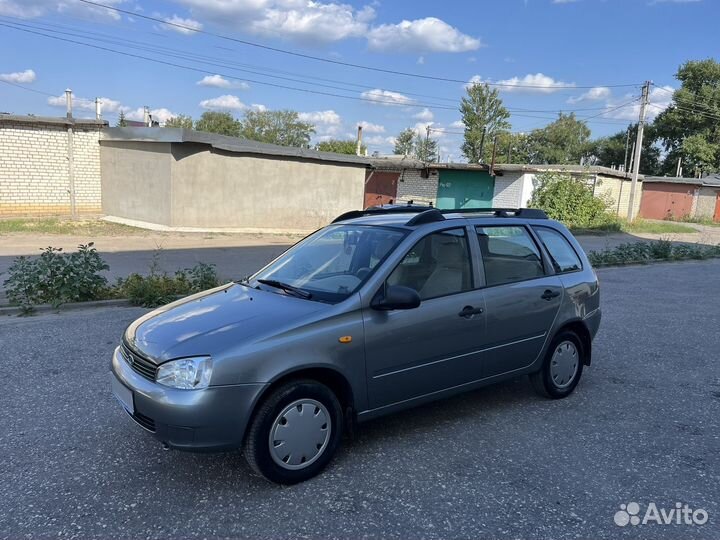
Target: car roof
[413, 217]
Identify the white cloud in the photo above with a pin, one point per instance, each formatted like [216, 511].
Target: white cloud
[457, 124]
[536, 83]
[85, 104]
[328, 118]
[426, 115]
[421, 60]
[28, 9]
[19, 77]
[386, 97]
[369, 127]
[258, 107]
[300, 20]
[223, 103]
[185, 26]
[218, 81]
[379, 140]
[660, 99]
[594, 94]
[564, 1]
[161, 115]
[421, 35]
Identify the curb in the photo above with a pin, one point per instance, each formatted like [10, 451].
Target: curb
[47, 308]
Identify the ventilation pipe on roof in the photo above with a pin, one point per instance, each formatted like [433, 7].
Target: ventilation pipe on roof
[358, 148]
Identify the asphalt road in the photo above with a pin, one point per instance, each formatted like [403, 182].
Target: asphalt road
[643, 426]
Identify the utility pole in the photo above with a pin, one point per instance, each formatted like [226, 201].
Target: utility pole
[427, 143]
[627, 146]
[638, 150]
[492, 162]
[482, 144]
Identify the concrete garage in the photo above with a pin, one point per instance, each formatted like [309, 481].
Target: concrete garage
[182, 178]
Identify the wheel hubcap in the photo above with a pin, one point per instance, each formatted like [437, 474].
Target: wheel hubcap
[300, 434]
[564, 364]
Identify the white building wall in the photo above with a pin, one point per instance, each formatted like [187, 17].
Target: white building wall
[508, 190]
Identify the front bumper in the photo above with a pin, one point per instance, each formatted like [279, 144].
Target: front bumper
[210, 419]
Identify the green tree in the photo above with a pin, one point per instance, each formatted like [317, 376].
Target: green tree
[277, 127]
[222, 123]
[482, 112]
[689, 129]
[610, 151]
[122, 122]
[425, 149]
[339, 146]
[404, 142]
[562, 142]
[180, 121]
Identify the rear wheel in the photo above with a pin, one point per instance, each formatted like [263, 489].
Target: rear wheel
[562, 367]
[295, 432]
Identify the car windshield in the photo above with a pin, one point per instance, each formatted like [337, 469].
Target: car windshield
[330, 264]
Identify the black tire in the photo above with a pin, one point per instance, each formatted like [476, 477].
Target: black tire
[257, 444]
[542, 380]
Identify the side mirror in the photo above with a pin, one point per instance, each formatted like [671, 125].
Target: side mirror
[396, 297]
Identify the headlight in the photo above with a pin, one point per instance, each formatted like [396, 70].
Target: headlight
[186, 373]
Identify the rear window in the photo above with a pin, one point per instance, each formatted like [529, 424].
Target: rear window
[509, 254]
[563, 256]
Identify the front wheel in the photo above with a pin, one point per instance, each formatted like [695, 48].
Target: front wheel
[295, 432]
[562, 367]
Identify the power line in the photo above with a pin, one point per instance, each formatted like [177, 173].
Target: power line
[28, 89]
[330, 60]
[403, 103]
[696, 100]
[186, 55]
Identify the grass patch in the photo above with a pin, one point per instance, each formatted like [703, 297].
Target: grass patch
[656, 227]
[94, 227]
[701, 221]
[638, 226]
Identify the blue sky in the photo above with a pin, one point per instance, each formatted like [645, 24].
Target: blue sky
[549, 55]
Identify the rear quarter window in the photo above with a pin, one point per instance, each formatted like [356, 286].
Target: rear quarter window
[563, 256]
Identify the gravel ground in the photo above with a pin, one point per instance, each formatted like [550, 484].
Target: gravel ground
[643, 426]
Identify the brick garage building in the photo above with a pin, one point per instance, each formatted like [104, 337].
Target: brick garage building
[49, 165]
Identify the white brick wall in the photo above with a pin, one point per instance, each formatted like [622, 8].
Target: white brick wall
[412, 185]
[34, 168]
[508, 190]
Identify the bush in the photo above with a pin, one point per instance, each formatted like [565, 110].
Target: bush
[645, 252]
[159, 288]
[55, 278]
[571, 201]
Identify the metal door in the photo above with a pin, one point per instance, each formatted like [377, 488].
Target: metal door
[465, 189]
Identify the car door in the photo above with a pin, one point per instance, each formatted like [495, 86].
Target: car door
[522, 298]
[414, 352]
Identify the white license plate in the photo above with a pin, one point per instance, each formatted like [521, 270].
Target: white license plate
[122, 393]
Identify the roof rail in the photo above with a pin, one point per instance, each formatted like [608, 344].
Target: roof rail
[431, 214]
[428, 216]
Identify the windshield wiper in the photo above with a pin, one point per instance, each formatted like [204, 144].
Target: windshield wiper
[300, 293]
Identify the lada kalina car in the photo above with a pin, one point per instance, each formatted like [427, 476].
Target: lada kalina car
[381, 310]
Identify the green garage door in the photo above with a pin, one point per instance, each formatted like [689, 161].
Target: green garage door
[465, 189]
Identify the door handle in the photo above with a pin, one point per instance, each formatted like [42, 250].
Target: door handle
[549, 295]
[469, 311]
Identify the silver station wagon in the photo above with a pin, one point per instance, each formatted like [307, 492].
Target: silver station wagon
[381, 310]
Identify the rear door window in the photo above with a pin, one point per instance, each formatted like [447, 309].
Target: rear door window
[563, 256]
[438, 265]
[509, 254]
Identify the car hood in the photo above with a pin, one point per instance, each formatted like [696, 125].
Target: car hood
[211, 321]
